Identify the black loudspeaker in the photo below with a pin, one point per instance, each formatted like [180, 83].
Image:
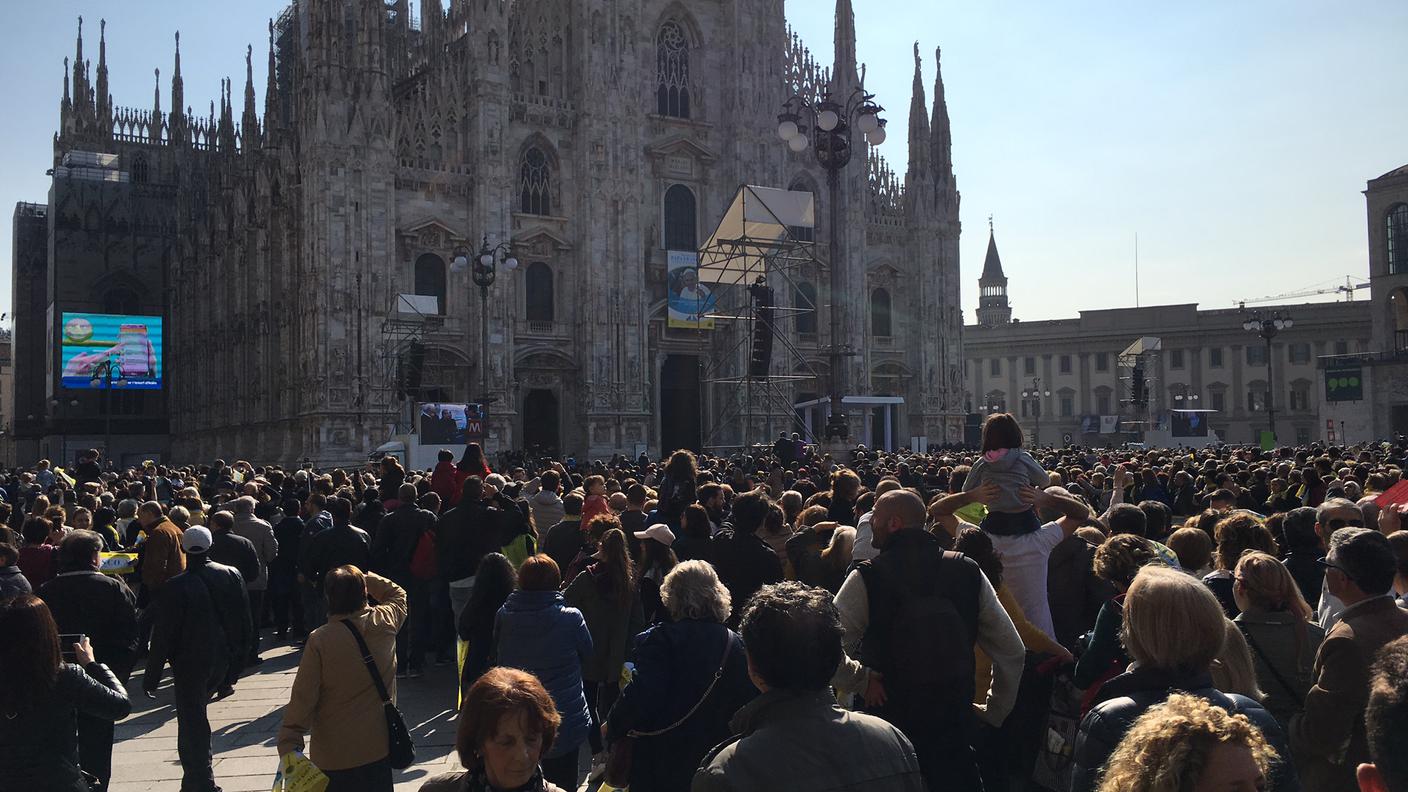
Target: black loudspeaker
[760, 360]
[1138, 385]
[411, 365]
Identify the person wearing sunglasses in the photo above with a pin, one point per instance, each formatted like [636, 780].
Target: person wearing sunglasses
[1328, 739]
[1330, 516]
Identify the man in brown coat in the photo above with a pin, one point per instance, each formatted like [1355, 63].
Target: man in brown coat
[1328, 738]
[162, 558]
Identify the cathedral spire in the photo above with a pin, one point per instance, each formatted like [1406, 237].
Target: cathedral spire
[941, 151]
[271, 90]
[249, 122]
[66, 105]
[919, 138]
[178, 96]
[81, 108]
[156, 108]
[993, 308]
[843, 71]
[104, 107]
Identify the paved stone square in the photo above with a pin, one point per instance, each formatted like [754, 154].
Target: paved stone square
[245, 726]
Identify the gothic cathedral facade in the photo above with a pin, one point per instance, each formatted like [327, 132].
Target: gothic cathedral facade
[395, 139]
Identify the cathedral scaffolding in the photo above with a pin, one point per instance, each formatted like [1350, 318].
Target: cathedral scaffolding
[759, 244]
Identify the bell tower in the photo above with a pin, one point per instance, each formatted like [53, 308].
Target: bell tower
[993, 309]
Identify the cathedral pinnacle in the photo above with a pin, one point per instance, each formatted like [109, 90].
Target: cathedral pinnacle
[941, 149]
[843, 72]
[104, 108]
[919, 142]
[178, 93]
[271, 88]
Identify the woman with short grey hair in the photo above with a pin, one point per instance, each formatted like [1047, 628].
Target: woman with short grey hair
[693, 590]
[690, 675]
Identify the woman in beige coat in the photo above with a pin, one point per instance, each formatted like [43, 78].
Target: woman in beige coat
[334, 697]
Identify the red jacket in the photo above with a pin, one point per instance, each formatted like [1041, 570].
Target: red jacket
[594, 505]
[444, 482]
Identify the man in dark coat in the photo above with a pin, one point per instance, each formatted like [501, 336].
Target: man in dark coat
[339, 545]
[794, 736]
[744, 562]
[231, 549]
[102, 607]
[202, 627]
[397, 537]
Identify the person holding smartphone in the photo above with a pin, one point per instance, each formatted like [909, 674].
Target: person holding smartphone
[41, 696]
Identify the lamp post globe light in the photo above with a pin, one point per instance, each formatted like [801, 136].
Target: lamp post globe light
[484, 269]
[1267, 327]
[1036, 394]
[828, 127]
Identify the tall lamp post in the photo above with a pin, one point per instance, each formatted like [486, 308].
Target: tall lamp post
[1267, 327]
[107, 373]
[484, 270]
[828, 126]
[1035, 394]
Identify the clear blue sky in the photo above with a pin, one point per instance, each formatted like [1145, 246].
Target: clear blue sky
[1233, 138]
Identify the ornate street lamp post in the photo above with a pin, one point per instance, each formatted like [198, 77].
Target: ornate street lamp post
[483, 272]
[828, 126]
[107, 373]
[1267, 327]
[1035, 394]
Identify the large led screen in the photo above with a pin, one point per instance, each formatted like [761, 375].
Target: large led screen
[132, 344]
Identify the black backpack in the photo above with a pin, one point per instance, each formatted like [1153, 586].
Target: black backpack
[924, 648]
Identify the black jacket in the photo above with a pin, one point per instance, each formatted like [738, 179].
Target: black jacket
[745, 564]
[463, 536]
[1305, 568]
[334, 547]
[101, 607]
[233, 550]
[396, 538]
[283, 570]
[1073, 591]
[201, 625]
[562, 541]
[1124, 698]
[39, 746]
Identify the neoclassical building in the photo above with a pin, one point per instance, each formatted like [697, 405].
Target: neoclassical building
[278, 234]
[1059, 376]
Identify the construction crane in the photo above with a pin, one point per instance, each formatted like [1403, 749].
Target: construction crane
[1348, 290]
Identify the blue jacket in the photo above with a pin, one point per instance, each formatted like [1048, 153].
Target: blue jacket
[537, 632]
[675, 662]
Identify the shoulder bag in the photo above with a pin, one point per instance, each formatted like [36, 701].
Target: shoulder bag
[1293, 696]
[618, 762]
[401, 750]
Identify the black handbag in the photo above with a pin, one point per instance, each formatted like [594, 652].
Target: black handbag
[401, 749]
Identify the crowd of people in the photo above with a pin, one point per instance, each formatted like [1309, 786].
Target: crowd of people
[999, 618]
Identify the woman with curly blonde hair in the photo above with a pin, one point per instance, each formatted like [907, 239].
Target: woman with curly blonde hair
[1188, 744]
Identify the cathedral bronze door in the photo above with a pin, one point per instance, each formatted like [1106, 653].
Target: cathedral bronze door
[680, 405]
[540, 424]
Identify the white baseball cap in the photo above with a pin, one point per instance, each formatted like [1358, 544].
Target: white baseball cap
[660, 532]
[195, 540]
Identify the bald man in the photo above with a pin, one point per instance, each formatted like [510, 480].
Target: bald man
[911, 617]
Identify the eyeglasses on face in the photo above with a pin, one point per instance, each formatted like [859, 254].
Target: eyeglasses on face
[1337, 523]
[1328, 564]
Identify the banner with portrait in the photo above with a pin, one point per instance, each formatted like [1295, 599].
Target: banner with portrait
[690, 302]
